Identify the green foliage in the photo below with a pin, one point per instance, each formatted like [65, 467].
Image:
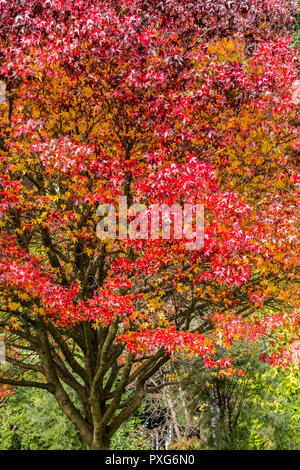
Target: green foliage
[260, 411]
[297, 28]
[31, 420]
[131, 436]
[272, 410]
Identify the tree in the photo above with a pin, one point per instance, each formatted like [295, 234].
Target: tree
[32, 420]
[297, 29]
[177, 103]
[258, 411]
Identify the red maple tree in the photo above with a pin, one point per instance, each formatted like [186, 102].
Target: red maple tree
[170, 102]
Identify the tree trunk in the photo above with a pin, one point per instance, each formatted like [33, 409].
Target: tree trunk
[98, 443]
[99, 446]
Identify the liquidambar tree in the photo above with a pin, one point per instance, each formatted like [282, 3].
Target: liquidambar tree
[170, 102]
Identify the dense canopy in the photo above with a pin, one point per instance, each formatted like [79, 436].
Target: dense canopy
[170, 102]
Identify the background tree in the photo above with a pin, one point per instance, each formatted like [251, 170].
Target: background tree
[32, 420]
[297, 29]
[259, 411]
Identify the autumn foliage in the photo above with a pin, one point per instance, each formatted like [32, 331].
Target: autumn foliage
[162, 102]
